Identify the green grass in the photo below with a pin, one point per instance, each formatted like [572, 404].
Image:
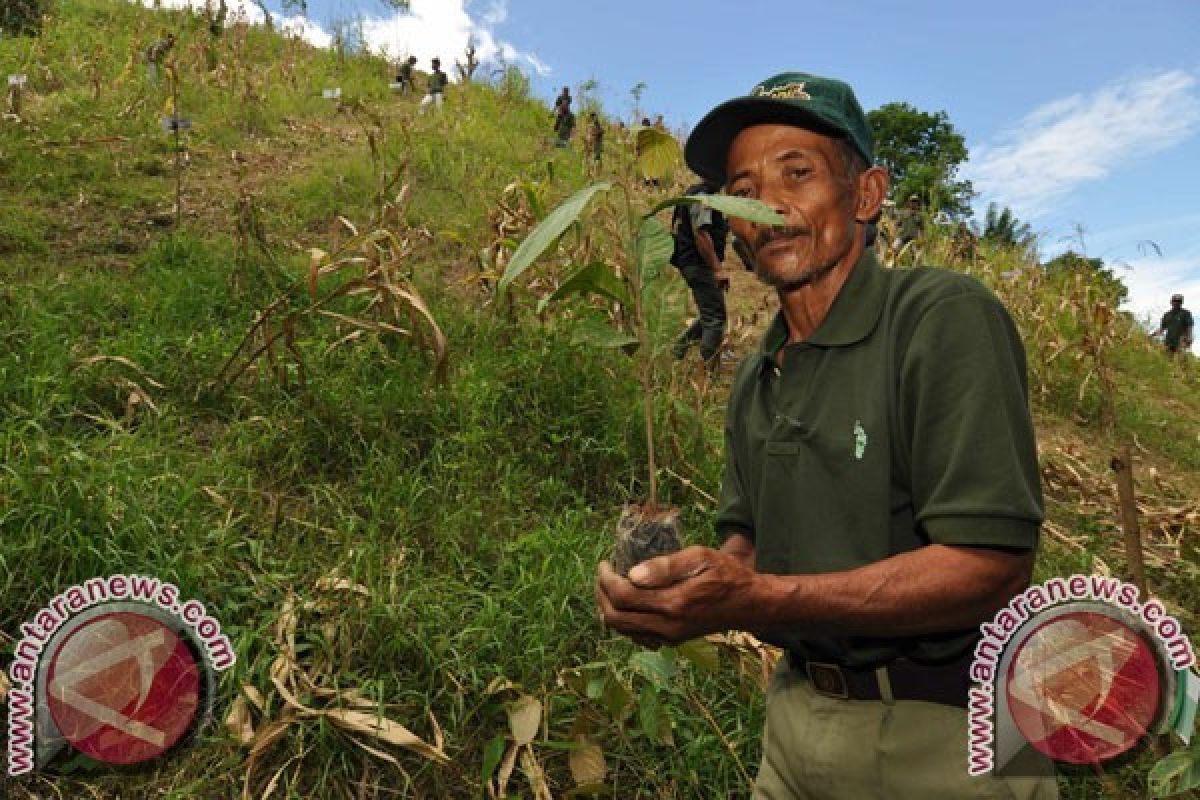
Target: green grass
[473, 513]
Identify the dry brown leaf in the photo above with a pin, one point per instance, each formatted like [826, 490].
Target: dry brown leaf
[587, 763]
[535, 775]
[500, 684]
[504, 773]
[269, 734]
[341, 585]
[239, 721]
[255, 697]
[4, 687]
[383, 729]
[524, 718]
[122, 360]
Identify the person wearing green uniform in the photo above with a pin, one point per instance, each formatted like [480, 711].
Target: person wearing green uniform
[881, 496]
[435, 93]
[1176, 327]
[404, 74]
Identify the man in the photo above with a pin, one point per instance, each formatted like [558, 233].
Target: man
[436, 88]
[595, 138]
[404, 75]
[881, 496]
[1177, 325]
[563, 101]
[909, 221]
[700, 235]
[564, 125]
[155, 54]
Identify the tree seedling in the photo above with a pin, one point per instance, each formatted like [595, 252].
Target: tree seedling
[632, 279]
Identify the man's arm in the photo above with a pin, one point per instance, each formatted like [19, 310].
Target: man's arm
[708, 252]
[699, 591]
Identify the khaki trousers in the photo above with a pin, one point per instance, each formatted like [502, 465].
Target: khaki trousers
[817, 747]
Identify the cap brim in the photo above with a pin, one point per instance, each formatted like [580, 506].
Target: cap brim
[708, 146]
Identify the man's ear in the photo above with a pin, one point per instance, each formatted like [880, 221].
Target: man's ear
[872, 189]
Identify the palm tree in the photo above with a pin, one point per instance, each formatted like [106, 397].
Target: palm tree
[1001, 226]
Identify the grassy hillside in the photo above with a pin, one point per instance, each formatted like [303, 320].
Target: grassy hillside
[372, 536]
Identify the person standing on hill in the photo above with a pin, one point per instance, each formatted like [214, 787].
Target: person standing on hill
[564, 125]
[404, 74]
[881, 496]
[595, 138]
[156, 53]
[562, 103]
[700, 233]
[910, 222]
[435, 92]
[1176, 327]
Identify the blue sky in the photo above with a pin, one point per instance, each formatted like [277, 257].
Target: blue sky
[1076, 113]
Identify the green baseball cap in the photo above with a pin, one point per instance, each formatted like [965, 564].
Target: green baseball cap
[808, 101]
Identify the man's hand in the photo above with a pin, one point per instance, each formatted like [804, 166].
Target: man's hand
[722, 276]
[678, 597]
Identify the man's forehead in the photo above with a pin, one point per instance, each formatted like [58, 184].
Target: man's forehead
[773, 140]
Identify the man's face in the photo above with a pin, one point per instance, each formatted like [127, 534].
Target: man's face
[1177, 302]
[803, 176]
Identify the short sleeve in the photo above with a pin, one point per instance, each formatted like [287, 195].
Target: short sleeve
[734, 514]
[701, 216]
[973, 453]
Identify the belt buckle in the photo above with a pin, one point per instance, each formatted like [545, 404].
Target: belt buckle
[827, 679]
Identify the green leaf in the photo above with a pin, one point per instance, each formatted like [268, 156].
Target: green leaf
[548, 231]
[746, 208]
[1175, 774]
[615, 698]
[492, 753]
[652, 716]
[700, 652]
[654, 247]
[658, 152]
[595, 333]
[597, 278]
[656, 666]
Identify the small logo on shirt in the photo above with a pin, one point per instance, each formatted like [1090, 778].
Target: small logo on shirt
[860, 440]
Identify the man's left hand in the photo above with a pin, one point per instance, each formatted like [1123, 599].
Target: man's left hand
[678, 597]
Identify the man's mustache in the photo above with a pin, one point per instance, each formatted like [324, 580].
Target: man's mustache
[768, 235]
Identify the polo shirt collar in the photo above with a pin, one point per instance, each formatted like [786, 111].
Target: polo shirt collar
[851, 318]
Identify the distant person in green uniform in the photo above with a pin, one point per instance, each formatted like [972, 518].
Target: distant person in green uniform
[564, 125]
[1176, 327]
[404, 74]
[700, 234]
[910, 222]
[881, 496]
[595, 138]
[435, 90]
[156, 54]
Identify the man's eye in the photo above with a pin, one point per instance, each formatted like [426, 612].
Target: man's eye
[740, 191]
[799, 172]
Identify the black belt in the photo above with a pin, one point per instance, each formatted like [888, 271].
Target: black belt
[946, 683]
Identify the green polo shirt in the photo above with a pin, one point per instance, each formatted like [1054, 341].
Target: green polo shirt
[1176, 324]
[902, 421]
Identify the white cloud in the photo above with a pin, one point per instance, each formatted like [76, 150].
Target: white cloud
[1072, 141]
[430, 28]
[443, 28]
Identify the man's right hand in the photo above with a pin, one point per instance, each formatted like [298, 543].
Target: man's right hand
[722, 277]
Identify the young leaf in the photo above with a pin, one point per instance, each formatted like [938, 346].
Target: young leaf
[1175, 774]
[597, 278]
[657, 666]
[700, 652]
[594, 333]
[548, 231]
[746, 208]
[654, 248]
[492, 754]
[658, 152]
[652, 714]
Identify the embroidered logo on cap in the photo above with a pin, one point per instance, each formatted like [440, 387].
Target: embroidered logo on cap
[787, 91]
[860, 440]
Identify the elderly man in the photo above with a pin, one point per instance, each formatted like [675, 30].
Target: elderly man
[881, 496]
